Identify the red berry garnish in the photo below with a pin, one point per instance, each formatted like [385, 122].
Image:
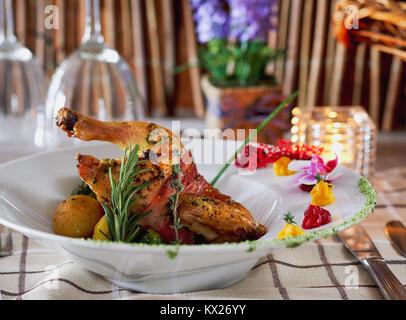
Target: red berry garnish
[315, 217]
[306, 187]
[292, 151]
[252, 158]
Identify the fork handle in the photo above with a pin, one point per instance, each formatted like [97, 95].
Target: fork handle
[390, 286]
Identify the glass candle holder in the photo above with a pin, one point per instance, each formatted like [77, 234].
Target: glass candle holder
[344, 131]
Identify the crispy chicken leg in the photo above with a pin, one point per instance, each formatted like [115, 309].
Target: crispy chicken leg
[148, 136]
[203, 210]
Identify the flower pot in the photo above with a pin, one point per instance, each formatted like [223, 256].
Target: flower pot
[245, 108]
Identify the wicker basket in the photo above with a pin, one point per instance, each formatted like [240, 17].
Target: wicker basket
[245, 108]
[381, 23]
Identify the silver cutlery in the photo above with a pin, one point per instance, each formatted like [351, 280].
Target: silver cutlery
[395, 231]
[357, 241]
[6, 249]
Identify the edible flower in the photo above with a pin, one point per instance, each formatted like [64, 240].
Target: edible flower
[281, 167]
[290, 229]
[309, 170]
[322, 194]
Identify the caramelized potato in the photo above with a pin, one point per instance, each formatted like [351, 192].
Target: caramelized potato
[100, 228]
[77, 216]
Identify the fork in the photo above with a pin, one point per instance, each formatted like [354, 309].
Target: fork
[6, 249]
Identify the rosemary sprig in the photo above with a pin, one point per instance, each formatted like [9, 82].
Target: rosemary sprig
[174, 201]
[122, 225]
[253, 134]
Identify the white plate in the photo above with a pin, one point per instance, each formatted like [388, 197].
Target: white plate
[32, 187]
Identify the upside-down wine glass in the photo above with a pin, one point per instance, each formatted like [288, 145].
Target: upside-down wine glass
[94, 81]
[22, 90]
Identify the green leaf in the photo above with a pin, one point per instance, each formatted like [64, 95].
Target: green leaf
[289, 218]
[320, 178]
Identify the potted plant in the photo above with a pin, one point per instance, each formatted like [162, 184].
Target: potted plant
[234, 54]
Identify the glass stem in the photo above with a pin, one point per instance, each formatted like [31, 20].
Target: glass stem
[93, 26]
[6, 22]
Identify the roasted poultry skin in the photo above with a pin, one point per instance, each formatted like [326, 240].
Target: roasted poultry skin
[204, 212]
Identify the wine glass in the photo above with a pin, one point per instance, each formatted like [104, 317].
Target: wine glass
[22, 90]
[94, 81]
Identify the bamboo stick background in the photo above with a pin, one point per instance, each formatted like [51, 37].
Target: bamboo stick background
[319, 46]
[153, 36]
[292, 57]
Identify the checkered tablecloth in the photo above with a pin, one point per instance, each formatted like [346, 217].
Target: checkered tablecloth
[318, 270]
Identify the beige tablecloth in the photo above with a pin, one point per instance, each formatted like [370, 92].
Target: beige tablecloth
[317, 270]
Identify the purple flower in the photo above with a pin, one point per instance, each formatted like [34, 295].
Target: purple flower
[211, 19]
[251, 19]
[194, 4]
[308, 170]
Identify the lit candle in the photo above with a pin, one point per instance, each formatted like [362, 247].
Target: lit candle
[347, 132]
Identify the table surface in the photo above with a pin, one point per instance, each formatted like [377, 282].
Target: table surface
[318, 270]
